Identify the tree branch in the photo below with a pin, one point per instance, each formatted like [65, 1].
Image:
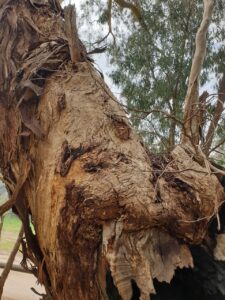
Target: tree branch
[1, 225]
[217, 146]
[217, 114]
[134, 8]
[191, 124]
[25, 169]
[109, 21]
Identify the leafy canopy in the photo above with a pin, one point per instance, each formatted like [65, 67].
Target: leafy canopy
[152, 58]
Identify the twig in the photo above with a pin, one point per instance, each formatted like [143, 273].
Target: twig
[217, 146]
[203, 218]
[158, 178]
[109, 25]
[22, 178]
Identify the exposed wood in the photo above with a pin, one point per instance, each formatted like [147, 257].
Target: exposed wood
[71, 33]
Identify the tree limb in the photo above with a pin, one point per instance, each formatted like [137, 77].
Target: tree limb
[191, 122]
[134, 8]
[1, 224]
[217, 146]
[217, 114]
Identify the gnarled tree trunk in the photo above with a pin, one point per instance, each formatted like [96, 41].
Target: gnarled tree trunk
[98, 200]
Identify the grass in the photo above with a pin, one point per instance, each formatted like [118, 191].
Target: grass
[11, 226]
[11, 223]
[10, 231]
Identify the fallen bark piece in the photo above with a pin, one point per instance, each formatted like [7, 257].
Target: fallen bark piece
[142, 256]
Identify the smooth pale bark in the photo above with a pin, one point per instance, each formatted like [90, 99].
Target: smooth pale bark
[72, 163]
[219, 108]
[190, 133]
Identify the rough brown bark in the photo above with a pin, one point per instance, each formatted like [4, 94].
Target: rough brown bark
[70, 160]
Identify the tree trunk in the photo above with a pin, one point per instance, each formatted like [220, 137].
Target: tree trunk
[99, 201]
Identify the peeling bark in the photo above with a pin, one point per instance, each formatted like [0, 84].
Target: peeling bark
[98, 199]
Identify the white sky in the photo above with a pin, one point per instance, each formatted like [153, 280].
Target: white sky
[100, 59]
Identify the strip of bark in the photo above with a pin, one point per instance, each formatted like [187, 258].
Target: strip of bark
[72, 34]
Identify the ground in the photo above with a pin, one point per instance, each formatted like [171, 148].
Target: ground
[18, 285]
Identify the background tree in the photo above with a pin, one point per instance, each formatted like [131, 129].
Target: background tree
[109, 216]
[151, 61]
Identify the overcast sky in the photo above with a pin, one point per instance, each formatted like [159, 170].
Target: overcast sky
[100, 59]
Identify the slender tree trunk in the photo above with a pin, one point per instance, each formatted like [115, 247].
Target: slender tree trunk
[99, 201]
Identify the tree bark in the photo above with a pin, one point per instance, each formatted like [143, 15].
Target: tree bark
[191, 112]
[219, 108]
[99, 201]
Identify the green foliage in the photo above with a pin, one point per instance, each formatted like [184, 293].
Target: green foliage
[10, 231]
[11, 223]
[152, 60]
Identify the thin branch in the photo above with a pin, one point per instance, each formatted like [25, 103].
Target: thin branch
[10, 261]
[217, 146]
[25, 169]
[191, 125]
[134, 8]
[109, 21]
[1, 225]
[146, 113]
[217, 114]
